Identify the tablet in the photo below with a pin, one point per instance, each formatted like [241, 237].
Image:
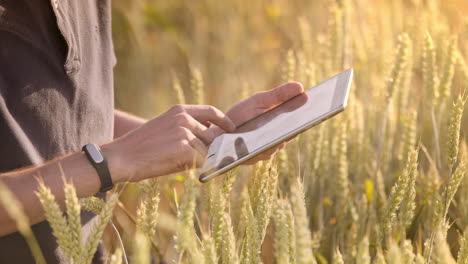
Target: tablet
[277, 125]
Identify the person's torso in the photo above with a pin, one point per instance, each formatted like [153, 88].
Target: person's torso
[56, 91]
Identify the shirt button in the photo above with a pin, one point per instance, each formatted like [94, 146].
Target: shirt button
[56, 3]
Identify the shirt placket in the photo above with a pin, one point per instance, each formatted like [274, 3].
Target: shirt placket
[72, 62]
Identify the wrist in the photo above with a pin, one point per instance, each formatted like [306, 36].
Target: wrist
[115, 161]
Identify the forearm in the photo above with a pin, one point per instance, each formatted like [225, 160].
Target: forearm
[125, 122]
[77, 169]
[23, 183]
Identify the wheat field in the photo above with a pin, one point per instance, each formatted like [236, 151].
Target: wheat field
[384, 182]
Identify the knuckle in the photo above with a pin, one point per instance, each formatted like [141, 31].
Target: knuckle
[178, 108]
[212, 110]
[182, 119]
[185, 133]
[185, 144]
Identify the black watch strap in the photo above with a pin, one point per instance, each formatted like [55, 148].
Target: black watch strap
[97, 159]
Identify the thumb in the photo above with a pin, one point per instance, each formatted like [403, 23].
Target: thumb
[278, 95]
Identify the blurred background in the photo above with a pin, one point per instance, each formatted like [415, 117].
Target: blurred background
[244, 43]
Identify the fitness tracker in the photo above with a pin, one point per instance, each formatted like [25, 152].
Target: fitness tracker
[95, 156]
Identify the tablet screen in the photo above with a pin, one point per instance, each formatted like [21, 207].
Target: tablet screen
[278, 124]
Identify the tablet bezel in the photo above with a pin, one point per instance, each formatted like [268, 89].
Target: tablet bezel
[339, 103]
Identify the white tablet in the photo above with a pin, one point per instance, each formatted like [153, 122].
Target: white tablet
[277, 125]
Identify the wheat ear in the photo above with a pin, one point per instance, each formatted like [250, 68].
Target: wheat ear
[196, 85]
[148, 209]
[380, 258]
[92, 204]
[429, 68]
[74, 218]
[463, 251]
[448, 69]
[442, 252]
[393, 255]
[221, 224]
[209, 250]
[185, 237]
[408, 255]
[304, 253]
[452, 188]
[281, 238]
[362, 255]
[96, 233]
[408, 205]
[454, 130]
[289, 70]
[398, 193]
[399, 66]
[57, 221]
[177, 87]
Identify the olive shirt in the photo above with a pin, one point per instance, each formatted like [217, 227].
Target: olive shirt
[56, 93]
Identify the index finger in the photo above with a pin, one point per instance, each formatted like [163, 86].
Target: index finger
[203, 113]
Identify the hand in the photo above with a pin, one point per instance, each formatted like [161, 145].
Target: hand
[171, 142]
[258, 104]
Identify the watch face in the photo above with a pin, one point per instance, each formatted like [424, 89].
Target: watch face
[95, 153]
